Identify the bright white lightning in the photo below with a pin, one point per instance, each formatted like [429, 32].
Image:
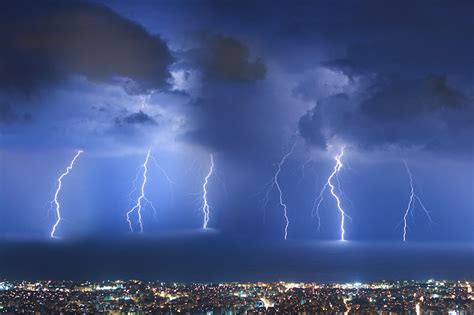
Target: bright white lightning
[337, 168]
[205, 205]
[56, 195]
[275, 183]
[411, 203]
[142, 197]
[332, 188]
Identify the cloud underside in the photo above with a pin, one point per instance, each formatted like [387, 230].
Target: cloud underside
[224, 58]
[426, 114]
[45, 42]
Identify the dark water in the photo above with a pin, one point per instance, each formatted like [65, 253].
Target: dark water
[209, 258]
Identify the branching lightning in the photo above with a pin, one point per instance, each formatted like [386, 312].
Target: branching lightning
[411, 203]
[168, 179]
[337, 168]
[317, 203]
[275, 183]
[138, 206]
[56, 194]
[303, 169]
[332, 188]
[162, 170]
[205, 205]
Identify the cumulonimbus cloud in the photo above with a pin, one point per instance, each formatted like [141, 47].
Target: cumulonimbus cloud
[44, 42]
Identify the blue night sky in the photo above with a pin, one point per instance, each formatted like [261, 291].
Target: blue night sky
[245, 81]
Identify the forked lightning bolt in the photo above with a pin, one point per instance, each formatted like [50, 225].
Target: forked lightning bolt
[332, 189]
[275, 183]
[411, 203]
[56, 195]
[337, 168]
[205, 205]
[317, 203]
[142, 198]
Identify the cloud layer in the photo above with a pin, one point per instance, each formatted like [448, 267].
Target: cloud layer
[427, 113]
[45, 42]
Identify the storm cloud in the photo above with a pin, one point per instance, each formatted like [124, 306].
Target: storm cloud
[428, 114]
[43, 42]
[224, 58]
[137, 118]
[9, 116]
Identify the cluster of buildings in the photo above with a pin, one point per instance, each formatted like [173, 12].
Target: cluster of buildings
[139, 297]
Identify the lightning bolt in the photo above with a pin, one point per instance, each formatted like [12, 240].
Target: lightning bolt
[168, 179]
[142, 197]
[205, 205]
[303, 169]
[275, 183]
[411, 203]
[56, 194]
[317, 203]
[162, 170]
[332, 189]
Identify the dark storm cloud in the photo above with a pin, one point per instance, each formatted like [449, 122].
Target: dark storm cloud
[395, 37]
[46, 41]
[224, 58]
[427, 113]
[396, 47]
[138, 118]
[9, 116]
[399, 100]
[232, 104]
[241, 119]
[310, 128]
[227, 119]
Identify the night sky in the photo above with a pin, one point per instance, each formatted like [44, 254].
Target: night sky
[390, 82]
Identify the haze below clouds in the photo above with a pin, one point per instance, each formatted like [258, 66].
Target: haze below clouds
[197, 257]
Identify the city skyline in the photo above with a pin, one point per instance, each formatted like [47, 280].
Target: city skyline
[411, 297]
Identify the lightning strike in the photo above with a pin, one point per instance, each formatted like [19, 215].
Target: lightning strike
[138, 206]
[56, 194]
[205, 205]
[162, 170]
[275, 183]
[303, 169]
[317, 203]
[332, 189]
[411, 203]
